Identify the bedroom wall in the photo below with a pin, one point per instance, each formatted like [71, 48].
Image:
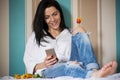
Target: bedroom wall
[16, 36]
[4, 37]
[87, 10]
[66, 11]
[118, 32]
[108, 30]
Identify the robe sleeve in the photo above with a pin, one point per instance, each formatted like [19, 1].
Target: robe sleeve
[29, 61]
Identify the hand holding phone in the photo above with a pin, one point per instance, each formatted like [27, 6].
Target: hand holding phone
[52, 56]
[51, 52]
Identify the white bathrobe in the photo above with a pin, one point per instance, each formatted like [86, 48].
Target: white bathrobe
[35, 54]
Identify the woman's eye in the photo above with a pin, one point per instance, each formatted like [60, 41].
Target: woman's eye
[54, 14]
[46, 17]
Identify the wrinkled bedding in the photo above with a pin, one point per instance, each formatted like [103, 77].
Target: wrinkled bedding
[112, 77]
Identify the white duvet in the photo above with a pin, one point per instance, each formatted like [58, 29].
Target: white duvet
[112, 77]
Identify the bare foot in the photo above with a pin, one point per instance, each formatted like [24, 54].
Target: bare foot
[106, 70]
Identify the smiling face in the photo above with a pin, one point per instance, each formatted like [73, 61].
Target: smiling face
[52, 18]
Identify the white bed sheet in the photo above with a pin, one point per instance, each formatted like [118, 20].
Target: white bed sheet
[112, 77]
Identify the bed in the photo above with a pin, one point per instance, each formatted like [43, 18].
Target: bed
[112, 77]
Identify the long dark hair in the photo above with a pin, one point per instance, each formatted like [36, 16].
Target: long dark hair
[39, 25]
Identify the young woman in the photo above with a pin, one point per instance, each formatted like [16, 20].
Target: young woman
[74, 54]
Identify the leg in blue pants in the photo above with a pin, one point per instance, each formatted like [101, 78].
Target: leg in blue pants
[82, 52]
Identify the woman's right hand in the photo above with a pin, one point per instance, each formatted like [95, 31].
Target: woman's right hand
[50, 60]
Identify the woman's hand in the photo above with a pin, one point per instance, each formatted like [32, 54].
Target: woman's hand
[50, 60]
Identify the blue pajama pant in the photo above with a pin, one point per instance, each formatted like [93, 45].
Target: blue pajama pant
[82, 52]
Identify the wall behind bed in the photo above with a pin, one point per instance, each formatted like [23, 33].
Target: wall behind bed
[13, 34]
[16, 36]
[118, 32]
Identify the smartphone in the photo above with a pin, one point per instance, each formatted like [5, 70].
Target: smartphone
[51, 52]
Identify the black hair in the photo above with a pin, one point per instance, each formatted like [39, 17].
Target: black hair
[39, 25]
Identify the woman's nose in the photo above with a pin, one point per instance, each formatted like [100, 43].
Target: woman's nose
[51, 18]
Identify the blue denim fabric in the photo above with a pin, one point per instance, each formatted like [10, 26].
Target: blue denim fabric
[82, 52]
[75, 70]
[55, 71]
